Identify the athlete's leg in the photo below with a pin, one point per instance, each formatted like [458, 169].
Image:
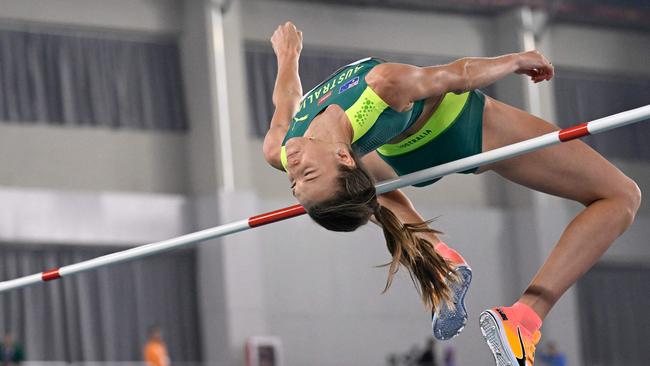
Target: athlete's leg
[571, 170]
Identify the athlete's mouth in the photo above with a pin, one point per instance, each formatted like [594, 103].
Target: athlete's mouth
[293, 148]
[293, 159]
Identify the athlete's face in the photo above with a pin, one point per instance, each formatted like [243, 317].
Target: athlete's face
[313, 168]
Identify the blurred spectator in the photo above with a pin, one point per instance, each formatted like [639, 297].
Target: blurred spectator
[155, 351]
[450, 357]
[412, 357]
[428, 357]
[393, 360]
[11, 353]
[550, 356]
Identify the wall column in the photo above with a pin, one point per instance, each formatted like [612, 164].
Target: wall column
[229, 269]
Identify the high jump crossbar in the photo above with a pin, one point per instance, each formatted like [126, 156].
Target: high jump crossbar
[505, 152]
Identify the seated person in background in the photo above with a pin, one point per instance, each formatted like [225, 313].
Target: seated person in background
[11, 353]
[155, 351]
[551, 356]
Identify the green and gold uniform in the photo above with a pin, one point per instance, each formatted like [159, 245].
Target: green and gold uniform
[452, 132]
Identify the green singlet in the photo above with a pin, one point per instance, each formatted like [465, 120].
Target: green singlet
[373, 122]
[452, 132]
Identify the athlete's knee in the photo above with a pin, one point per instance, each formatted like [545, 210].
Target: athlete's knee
[629, 195]
[634, 195]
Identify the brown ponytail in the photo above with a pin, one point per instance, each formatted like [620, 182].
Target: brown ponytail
[353, 206]
[428, 269]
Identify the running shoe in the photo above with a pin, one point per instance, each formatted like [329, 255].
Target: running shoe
[448, 321]
[511, 344]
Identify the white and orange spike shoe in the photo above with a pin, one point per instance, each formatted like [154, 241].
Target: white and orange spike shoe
[511, 344]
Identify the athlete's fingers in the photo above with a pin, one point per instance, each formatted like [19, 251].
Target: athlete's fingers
[290, 26]
[532, 73]
[546, 73]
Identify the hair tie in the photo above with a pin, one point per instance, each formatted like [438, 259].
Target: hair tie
[376, 208]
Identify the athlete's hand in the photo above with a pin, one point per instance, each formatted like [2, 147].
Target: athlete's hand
[535, 65]
[287, 40]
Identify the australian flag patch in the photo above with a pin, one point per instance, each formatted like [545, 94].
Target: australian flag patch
[349, 84]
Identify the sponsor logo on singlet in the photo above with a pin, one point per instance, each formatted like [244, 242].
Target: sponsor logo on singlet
[300, 119]
[415, 139]
[349, 84]
[331, 84]
[324, 97]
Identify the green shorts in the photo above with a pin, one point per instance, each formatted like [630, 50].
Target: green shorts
[454, 131]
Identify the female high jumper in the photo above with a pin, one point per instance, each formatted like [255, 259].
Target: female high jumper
[371, 121]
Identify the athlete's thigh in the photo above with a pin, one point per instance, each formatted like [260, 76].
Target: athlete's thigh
[571, 170]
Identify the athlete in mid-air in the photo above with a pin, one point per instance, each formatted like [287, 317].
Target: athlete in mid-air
[371, 121]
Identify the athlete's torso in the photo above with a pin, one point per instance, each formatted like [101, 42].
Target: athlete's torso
[431, 133]
[373, 122]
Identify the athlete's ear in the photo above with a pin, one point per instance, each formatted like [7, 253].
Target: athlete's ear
[345, 157]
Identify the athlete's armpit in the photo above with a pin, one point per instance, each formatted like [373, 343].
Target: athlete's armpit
[272, 146]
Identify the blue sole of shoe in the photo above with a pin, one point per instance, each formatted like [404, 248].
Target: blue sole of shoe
[448, 323]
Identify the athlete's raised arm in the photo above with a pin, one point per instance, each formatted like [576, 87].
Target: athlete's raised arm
[287, 45]
[400, 84]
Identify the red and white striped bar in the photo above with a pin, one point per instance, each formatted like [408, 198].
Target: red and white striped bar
[506, 152]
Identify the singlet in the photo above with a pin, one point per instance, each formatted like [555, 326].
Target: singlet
[452, 132]
[373, 122]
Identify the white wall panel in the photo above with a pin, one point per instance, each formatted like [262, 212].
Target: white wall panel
[139, 15]
[65, 217]
[369, 28]
[603, 49]
[93, 159]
